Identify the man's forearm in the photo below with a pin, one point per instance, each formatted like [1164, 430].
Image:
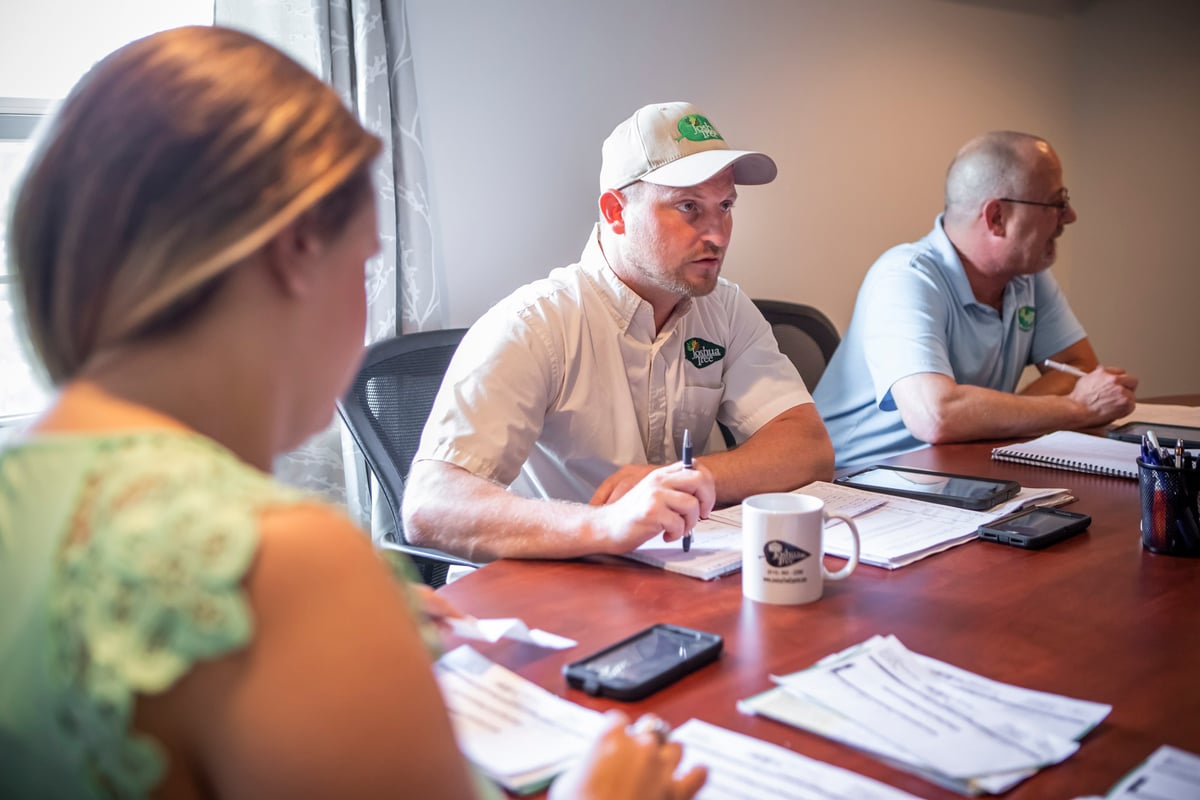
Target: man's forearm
[450, 509]
[788, 452]
[971, 413]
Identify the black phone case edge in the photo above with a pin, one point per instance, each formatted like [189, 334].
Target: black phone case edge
[1080, 524]
[578, 679]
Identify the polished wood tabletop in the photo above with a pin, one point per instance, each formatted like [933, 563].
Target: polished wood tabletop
[1095, 617]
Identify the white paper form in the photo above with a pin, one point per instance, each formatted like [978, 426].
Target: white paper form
[493, 630]
[744, 768]
[960, 734]
[895, 530]
[1168, 774]
[902, 530]
[850, 503]
[513, 730]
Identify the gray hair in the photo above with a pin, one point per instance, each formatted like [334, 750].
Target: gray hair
[995, 164]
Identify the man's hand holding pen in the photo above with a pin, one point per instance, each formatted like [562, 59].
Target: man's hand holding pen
[640, 502]
[1106, 392]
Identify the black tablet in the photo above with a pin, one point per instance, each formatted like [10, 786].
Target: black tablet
[1167, 435]
[963, 491]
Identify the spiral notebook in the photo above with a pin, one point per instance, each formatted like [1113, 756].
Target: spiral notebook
[1078, 452]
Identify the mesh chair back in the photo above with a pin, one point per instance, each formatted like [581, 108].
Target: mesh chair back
[385, 410]
[805, 335]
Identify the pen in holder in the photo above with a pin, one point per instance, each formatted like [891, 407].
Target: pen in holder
[1170, 509]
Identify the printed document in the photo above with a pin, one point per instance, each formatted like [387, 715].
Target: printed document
[895, 531]
[511, 729]
[741, 766]
[951, 726]
[1168, 773]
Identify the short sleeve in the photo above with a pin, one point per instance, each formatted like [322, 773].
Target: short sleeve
[492, 404]
[902, 311]
[149, 582]
[1056, 327]
[760, 381]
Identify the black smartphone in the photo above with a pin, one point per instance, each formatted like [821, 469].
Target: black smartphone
[1167, 435]
[644, 663]
[963, 491]
[1035, 528]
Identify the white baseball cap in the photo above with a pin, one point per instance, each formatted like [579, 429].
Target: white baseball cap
[674, 144]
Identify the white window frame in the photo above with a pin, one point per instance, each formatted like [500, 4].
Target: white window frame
[19, 118]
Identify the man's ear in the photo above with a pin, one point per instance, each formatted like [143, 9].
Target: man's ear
[994, 217]
[292, 255]
[612, 210]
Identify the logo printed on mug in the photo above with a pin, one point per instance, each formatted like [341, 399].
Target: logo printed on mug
[783, 547]
[783, 554]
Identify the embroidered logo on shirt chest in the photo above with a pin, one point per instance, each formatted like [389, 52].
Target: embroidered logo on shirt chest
[1025, 317]
[702, 353]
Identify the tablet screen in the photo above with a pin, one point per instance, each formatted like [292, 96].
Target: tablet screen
[1167, 434]
[938, 485]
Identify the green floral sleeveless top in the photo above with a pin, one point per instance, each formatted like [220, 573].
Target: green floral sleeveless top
[122, 559]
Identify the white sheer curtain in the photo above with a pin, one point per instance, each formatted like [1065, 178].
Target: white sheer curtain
[362, 48]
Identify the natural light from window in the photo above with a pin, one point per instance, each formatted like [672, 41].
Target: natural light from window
[44, 49]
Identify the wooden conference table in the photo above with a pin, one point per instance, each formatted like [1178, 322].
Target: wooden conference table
[1095, 617]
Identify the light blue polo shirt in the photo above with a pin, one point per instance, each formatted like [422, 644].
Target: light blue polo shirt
[916, 313]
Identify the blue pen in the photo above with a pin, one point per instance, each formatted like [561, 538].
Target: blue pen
[687, 464]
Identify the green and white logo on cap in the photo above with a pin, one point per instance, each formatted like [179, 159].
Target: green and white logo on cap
[697, 128]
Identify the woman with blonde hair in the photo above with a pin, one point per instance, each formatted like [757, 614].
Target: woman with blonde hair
[189, 243]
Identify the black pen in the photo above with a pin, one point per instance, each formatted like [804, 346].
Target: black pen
[687, 464]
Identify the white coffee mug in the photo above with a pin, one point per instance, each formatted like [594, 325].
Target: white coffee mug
[783, 548]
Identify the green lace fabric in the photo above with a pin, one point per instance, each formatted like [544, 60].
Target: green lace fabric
[121, 565]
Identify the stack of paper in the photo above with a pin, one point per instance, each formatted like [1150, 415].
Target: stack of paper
[904, 530]
[950, 726]
[741, 766]
[511, 729]
[894, 530]
[1168, 773]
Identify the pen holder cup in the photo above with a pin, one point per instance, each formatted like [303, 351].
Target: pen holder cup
[1170, 509]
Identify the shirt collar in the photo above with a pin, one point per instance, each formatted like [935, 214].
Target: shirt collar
[622, 302]
[953, 267]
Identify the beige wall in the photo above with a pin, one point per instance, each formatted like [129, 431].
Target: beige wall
[862, 103]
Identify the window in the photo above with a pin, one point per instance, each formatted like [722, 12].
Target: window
[62, 40]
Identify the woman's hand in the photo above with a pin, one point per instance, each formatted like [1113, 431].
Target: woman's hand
[636, 763]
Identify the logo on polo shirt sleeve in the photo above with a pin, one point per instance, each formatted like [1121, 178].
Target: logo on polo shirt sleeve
[1025, 317]
[702, 353]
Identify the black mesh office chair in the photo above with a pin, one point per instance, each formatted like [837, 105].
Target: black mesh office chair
[386, 409]
[805, 335]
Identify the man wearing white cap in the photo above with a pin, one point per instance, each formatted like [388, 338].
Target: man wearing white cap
[579, 387]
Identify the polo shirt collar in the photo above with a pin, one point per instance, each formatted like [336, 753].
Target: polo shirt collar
[952, 267]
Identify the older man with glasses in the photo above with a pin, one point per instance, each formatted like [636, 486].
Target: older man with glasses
[944, 327]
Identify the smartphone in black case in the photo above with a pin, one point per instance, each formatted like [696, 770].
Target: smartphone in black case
[644, 662]
[1035, 528]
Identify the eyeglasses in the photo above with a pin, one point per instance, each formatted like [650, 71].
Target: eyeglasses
[1061, 205]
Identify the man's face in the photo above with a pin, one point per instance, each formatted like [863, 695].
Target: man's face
[675, 238]
[1036, 228]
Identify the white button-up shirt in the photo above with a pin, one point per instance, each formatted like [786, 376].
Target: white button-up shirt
[566, 380]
